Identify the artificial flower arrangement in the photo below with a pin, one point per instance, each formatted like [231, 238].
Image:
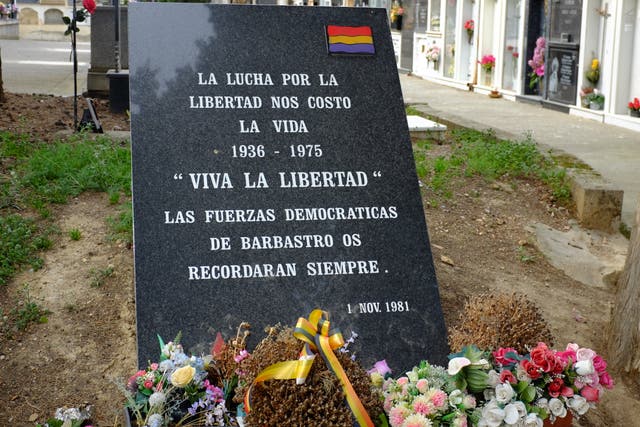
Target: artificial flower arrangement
[488, 62]
[634, 105]
[433, 53]
[537, 62]
[469, 26]
[180, 390]
[596, 98]
[396, 11]
[593, 74]
[499, 388]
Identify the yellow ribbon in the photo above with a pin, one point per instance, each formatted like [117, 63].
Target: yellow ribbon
[318, 338]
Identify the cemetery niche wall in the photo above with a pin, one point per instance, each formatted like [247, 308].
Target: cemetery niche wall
[272, 175]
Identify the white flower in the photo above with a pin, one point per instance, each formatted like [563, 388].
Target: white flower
[557, 408]
[455, 397]
[504, 393]
[511, 415]
[417, 420]
[494, 378]
[166, 365]
[521, 374]
[489, 394]
[413, 376]
[584, 367]
[543, 403]
[532, 420]
[493, 414]
[157, 399]
[456, 364]
[578, 404]
[155, 420]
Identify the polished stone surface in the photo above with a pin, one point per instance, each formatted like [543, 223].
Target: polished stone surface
[211, 192]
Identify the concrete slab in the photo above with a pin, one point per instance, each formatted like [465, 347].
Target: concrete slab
[421, 128]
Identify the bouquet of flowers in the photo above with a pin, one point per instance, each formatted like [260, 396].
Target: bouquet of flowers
[469, 25]
[425, 396]
[488, 62]
[537, 62]
[433, 54]
[544, 383]
[593, 75]
[634, 105]
[176, 391]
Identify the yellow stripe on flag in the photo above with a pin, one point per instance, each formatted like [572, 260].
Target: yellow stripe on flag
[351, 39]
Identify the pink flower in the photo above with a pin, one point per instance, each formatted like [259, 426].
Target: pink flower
[153, 366]
[606, 381]
[566, 391]
[148, 384]
[500, 355]
[541, 43]
[592, 394]
[439, 398]
[566, 356]
[600, 364]
[422, 406]
[422, 385]
[540, 70]
[397, 416]
[380, 367]
[241, 356]
[403, 381]
[585, 354]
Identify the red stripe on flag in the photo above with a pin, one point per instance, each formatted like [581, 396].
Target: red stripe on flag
[335, 30]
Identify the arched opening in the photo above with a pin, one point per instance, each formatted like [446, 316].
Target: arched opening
[53, 17]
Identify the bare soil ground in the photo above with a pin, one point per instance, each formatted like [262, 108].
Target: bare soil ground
[88, 344]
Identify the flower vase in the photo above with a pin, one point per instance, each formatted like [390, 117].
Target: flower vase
[595, 106]
[470, 36]
[435, 65]
[634, 113]
[567, 421]
[487, 78]
[399, 22]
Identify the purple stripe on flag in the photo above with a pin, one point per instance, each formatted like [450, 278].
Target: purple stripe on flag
[351, 48]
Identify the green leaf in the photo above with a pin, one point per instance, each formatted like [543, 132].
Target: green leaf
[528, 394]
[66, 20]
[66, 33]
[521, 386]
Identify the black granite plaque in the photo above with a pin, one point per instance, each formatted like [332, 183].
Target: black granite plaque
[563, 74]
[565, 20]
[272, 175]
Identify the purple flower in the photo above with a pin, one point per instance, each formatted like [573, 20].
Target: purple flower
[381, 368]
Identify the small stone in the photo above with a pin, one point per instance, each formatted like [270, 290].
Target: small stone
[33, 418]
[446, 260]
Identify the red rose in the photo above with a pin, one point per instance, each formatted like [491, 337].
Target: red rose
[555, 387]
[599, 364]
[631, 107]
[532, 370]
[507, 376]
[90, 5]
[543, 358]
[566, 391]
[636, 103]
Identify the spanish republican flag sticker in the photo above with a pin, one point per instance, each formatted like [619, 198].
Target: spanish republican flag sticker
[350, 40]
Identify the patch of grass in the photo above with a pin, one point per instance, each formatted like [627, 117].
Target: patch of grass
[28, 311]
[75, 234]
[55, 172]
[476, 153]
[99, 276]
[20, 240]
[524, 255]
[122, 224]
[412, 111]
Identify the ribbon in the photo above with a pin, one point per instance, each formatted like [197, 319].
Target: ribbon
[318, 337]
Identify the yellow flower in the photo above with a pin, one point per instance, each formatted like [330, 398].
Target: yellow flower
[183, 376]
[595, 64]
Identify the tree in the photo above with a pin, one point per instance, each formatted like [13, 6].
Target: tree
[624, 328]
